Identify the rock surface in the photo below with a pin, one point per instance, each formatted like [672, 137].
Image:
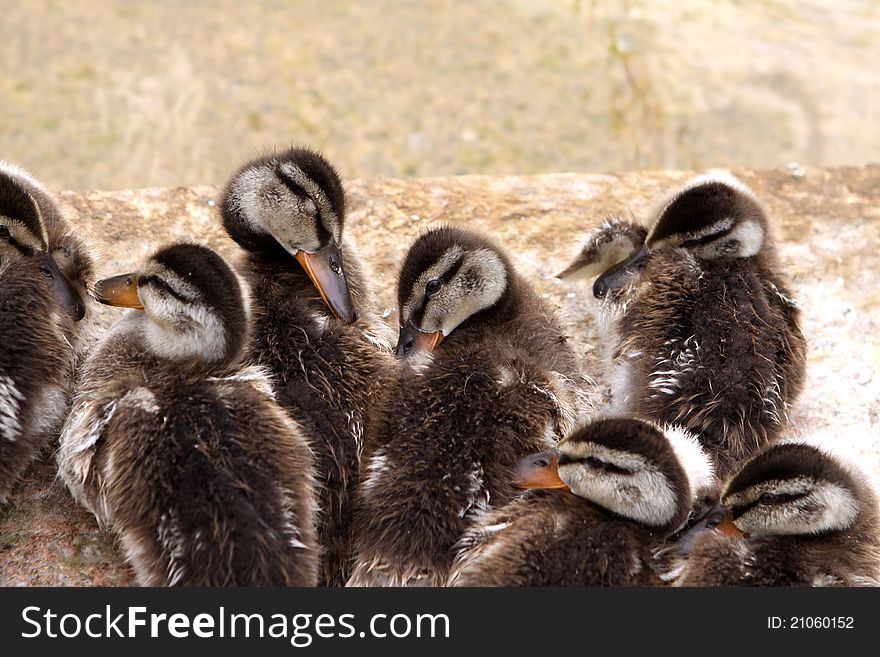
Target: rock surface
[826, 222]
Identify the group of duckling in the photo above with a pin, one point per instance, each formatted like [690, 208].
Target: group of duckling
[253, 426]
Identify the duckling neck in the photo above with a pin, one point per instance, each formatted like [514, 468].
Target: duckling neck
[279, 281]
[206, 348]
[491, 320]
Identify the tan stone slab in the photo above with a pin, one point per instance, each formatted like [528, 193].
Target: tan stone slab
[826, 221]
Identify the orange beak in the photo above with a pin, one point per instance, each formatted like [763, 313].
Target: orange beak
[119, 291]
[539, 471]
[727, 528]
[324, 267]
[412, 339]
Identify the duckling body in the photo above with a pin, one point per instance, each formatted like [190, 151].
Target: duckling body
[704, 332]
[314, 330]
[794, 515]
[489, 377]
[180, 448]
[44, 271]
[622, 487]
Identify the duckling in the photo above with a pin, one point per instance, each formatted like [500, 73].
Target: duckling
[490, 377]
[704, 331]
[794, 515]
[44, 272]
[181, 449]
[314, 330]
[633, 485]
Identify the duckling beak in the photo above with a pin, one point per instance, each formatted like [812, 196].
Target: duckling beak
[412, 339]
[727, 528]
[539, 471]
[615, 278]
[324, 267]
[718, 519]
[119, 291]
[579, 268]
[62, 288]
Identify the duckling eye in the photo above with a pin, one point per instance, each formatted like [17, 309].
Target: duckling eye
[595, 462]
[432, 286]
[4, 232]
[335, 267]
[711, 523]
[767, 498]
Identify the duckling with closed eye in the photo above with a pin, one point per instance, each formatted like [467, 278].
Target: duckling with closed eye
[794, 515]
[704, 332]
[44, 273]
[314, 327]
[609, 497]
[179, 447]
[492, 377]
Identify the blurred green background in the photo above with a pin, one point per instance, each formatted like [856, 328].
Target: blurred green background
[116, 94]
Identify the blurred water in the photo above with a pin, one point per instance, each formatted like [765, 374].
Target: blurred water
[116, 94]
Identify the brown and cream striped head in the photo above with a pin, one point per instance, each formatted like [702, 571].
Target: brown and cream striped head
[713, 216]
[292, 204]
[632, 468]
[197, 308]
[449, 276]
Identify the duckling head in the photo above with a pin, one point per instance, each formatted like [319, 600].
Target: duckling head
[449, 276]
[714, 216]
[292, 204]
[195, 307]
[788, 489]
[629, 467]
[23, 236]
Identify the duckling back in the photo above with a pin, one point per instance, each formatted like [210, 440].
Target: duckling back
[207, 483]
[713, 346]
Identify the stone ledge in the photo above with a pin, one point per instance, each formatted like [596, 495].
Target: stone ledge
[826, 222]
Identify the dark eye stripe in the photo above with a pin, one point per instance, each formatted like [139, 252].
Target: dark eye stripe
[297, 190]
[707, 238]
[445, 277]
[450, 273]
[159, 284]
[595, 463]
[781, 498]
[291, 184]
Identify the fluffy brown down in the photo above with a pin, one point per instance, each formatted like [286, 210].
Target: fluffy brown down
[328, 375]
[554, 538]
[205, 479]
[730, 332]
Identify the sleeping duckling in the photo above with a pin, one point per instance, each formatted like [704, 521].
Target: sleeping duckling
[179, 448]
[633, 485]
[492, 378]
[314, 329]
[704, 331]
[44, 273]
[794, 515]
